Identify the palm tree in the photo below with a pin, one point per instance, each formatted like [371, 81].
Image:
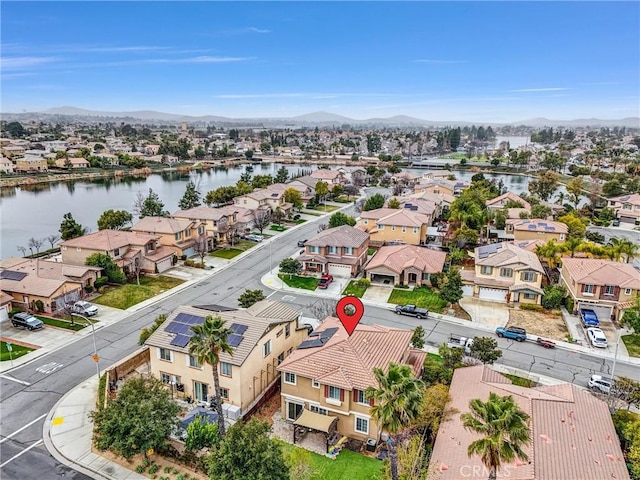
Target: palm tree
[572, 245]
[549, 252]
[398, 401]
[208, 342]
[624, 246]
[504, 431]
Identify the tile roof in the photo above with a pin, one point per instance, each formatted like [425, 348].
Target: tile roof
[597, 271]
[572, 434]
[538, 225]
[633, 199]
[344, 236]
[437, 198]
[46, 269]
[399, 257]
[162, 225]
[347, 361]
[504, 198]
[508, 255]
[109, 239]
[324, 174]
[206, 213]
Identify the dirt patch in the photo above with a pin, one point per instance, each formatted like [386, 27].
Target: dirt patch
[543, 324]
[265, 413]
[458, 312]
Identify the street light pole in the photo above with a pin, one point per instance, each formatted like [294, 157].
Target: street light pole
[96, 358]
[613, 368]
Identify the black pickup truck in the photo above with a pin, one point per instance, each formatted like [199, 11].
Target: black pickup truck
[411, 310]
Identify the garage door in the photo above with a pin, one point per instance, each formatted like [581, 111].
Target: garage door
[189, 252]
[624, 219]
[164, 265]
[493, 294]
[467, 290]
[338, 270]
[603, 312]
[4, 315]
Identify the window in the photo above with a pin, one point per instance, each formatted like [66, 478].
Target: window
[200, 230]
[486, 270]
[293, 410]
[279, 332]
[266, 348]
[116, 252]
[225, 369]
[187, 233]
[362, 425]
[415, 229]
[609, 290]
[528, 276]
[317, 409]
[165, 377]
[313, 249]
[365, 221]
[178, 235]
[404, 229]
[332, 249]
[164, 354]
[506, 272]
[193, 362]
[289, 351]
[290, 378]
[280, 358]
[201, 391]
[380, 227]
[348, 250]
[334, 392]
[315, 384]
[530, 296]
[359, 397]
[393, 228]
[627, 291]
[224, 393]
[589, 289]
[287, 330]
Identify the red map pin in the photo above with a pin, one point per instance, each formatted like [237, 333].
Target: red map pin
[349, 310]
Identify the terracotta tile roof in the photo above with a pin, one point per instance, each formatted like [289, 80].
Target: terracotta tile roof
[45, 269]
[597, 271]
[537, 225]
[399, 257]
[37, 286]
[405, 218]
[162, 225]
[159, 253]
[633, 199]
[324, 174]
[109, 239]
[572, 434]
[425, 206]
[344, 236]
[438, 198]
[508, 255]
[206, 213]
[504, 198]
[347, 361]
[5, 298]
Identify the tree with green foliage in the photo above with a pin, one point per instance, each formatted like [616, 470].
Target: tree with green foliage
[417, 340]
[485, 349]
[339, 218]
[220, 195]
[209, 341]
[575, 223]
[451, 291]
[300, 463]
[261, 181]
[247, 452]
[553, 296]
[140, 418]
[374, 202]
[397, 404]
[631, 316]
[500, 220]
[290, 266]
[145, 333]
[149, 206]
[322, 190]
[540, 211]
[393, 203]
[278, 216]
[114, 219]
[69, 228]
[612, 188]
[201, 434]
[191, 197]
[294, 197]
[575, 188]
[282, 175]
[249, 297]
[544, 186]
[15, 129]
[503, 428]
[111, 270]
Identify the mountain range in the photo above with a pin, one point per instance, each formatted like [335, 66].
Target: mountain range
[309, 119]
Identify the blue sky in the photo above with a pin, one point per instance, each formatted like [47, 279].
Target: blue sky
[474, 61]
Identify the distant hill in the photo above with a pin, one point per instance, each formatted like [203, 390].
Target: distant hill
[631, 122]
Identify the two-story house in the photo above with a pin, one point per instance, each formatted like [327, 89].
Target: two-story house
[327, 376]
[405, 265]
[264, 198]
[504, 273]
[396, 226]
[509, 198]
[604, 286]
[339, 251]
[72, 162]
[263, 336]
[178, 234]
[6, 165]
[31, 163]
[441, 186]
[330, 177]
[536, 229]
[627, 207]
[216, 221]
[128, 250]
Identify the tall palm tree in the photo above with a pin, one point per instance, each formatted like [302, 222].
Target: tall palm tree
[209, 341]
[572, 245]
[504, 431]
[624, 246]
[397, 404]
[550, 252]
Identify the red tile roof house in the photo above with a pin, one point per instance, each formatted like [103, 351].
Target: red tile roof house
[324, 379]
[405, 265]
[179, 234]
[332, 177]
[572, 434]
[339, 251]
[125, 248]
[627, 207]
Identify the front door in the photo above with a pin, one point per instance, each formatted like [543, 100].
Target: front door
[200, 391]
[413, 278]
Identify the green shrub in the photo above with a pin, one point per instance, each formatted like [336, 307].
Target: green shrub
[100, 282]
[363, 283]
[570, 304]
[553, 295]
[88, 288]
[14, 310]
[167, 469]
[154, 468]
[140, 468]
[531, 306]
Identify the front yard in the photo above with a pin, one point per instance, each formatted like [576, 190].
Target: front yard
[632, 342]
[422, 297]
[307, 283]
[55, 322]
[229, 252]
[16, 351]
[355, 289]
[543, 324]
[125, 296]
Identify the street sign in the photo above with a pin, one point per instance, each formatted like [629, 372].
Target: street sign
[9, 347]
[95, 357]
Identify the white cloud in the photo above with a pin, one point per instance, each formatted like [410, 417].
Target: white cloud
[258, 30]
[23, 63]
[544, 89]
[440, 62]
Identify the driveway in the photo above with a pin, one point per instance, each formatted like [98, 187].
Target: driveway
[377, 293]
[488, 313]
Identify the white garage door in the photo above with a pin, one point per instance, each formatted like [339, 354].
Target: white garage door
[338, 270]
[467, 290]
[493, 294]
[4, 314]
[164, 265]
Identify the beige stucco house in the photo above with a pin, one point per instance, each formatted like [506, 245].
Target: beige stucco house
[217, 222]
[627, 207]
[339, 251]
[405, 265]
[407, 225]
[264, 335]
[536, 229]
[498, 203]
[31, 164]
[179, 234]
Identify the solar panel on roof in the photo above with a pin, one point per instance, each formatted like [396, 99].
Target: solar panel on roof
[180, 340]
[310, 344]
[189, 319]
[531, 227]
[12, 275]
[173, 327]
[238, 328]
[328, 333]
[234, 340]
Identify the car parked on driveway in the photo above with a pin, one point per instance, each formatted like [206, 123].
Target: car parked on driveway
[27, 321]
[325, 280]
[84, 308]
[589, 318]
[597, 337]
[254, 237]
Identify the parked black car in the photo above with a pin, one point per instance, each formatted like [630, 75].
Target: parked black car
[26, 321]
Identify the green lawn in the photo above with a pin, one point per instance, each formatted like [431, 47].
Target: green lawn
[16, 351]
[307, 283]
[314, 214]
[435, 356]
[125, 296]
[371, 251]
[422, 297]
[56, 322]
[325, 208]
[353, 289]
[227, 253]
[347, 465]
[278, 228]
[299, 221]
[632, 342]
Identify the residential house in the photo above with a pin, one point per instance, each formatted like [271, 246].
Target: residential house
[331, 177]
[500, 202]
[442, 200]
[217, 222]
[6, 165]
[406, 225]
[73, 162]
[264, 199]
[431, 174]
[5, 305]
[306, 192]
[127, 249]
[441, 186]
[179, 234]
[405, 178]
[604, 286]
[504, 273]
[571, 432]
[536, 229]
[12, 151]
[405, 265]
[264, 335]
[627, 207]
[327, 376]
[31, 164]
[339, 251]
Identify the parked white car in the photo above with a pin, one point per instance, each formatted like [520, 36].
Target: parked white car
[84, 308]
[596, 337]
[254, 237]
[600, 383]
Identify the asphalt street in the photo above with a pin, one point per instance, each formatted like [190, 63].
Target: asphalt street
[27, 393]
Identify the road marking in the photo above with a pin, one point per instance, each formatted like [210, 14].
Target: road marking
[288, 298]
[22, 428]
[49, 367]
[13, 379]
[22, 452]
[57, 421]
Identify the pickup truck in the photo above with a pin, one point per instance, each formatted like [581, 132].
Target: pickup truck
[412, 310]
[514, 333]
[456, 341]
[589, 318]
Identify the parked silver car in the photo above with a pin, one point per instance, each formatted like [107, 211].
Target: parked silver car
[596, 337]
